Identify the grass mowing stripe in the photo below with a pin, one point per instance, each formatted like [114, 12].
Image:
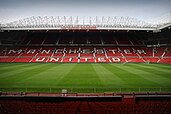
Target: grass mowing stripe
[16, 70]
[51, 77]
[148, 75]
[11, 68]
[160, 65]
[155, 67]
[155, 70]
[163, 78]
[43, 76]
[14, 65]
[79, 76]
[82, 75]
[63, 71]
[7, 65]
[23, 73]
[36, 81]
[134, 77]
[4, 64]
[107, 77]
[158, 71]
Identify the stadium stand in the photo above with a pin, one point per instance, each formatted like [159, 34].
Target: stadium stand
[123, 44]
[81, 46]
[88, 104]
[70, 54]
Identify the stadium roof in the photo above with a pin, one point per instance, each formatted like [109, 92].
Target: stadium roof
[111, 14]
[86, 23]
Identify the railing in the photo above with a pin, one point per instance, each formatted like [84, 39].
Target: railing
[84, 90]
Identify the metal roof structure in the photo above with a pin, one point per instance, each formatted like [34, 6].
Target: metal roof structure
[86, 23]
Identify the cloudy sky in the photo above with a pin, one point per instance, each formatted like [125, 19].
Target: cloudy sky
[141, 9]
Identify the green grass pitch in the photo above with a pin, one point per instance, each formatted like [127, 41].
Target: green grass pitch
[85, 77]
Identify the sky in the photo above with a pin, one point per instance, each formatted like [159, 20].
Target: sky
[11, 10]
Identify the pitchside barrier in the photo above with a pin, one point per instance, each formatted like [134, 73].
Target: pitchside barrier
[84, 90]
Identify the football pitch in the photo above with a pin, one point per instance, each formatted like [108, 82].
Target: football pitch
[85, 77]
